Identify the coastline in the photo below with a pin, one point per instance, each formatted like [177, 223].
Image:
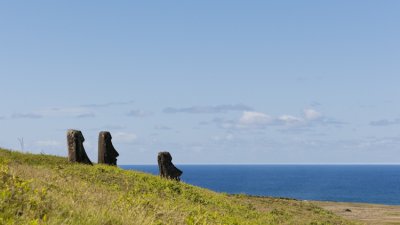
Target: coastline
[338, 183]
[374, 214]
[364, 213]
[146, 198]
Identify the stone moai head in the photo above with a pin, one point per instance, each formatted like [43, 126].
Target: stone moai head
[166, 167]
[76, 151]
[107, 153]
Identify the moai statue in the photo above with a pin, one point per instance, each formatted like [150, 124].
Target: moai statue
[76, 151]
[167, 169]
[107, 153]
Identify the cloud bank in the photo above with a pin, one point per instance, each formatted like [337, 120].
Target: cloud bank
[83, 111]
[26, 116]
[138, 113]
[255, 119]
[208, 109]
[108, 104]
[385, 122]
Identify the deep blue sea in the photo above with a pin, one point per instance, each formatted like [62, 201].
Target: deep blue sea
[348, 183]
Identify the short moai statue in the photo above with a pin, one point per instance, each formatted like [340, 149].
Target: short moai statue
[76, 151]
[167, 169]
[107, 153]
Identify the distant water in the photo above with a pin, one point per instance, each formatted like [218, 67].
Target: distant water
[347, 183]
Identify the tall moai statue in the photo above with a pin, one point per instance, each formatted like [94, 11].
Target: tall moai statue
[76, 151]
[167, 169]
[107, 153]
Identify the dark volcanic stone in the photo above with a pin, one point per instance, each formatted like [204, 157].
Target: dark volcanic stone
[76, 151]
[167, 169]
[107, 153]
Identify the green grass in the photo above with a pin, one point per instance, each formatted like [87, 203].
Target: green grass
[43, 189]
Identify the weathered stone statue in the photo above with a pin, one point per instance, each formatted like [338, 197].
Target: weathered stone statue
[167, 169]
[107, 153]
[76, 151]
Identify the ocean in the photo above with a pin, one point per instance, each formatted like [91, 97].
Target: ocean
[345, 183]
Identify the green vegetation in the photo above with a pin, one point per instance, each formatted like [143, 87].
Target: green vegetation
[43, 189]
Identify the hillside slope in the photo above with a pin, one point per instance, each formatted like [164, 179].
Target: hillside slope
[43, 189]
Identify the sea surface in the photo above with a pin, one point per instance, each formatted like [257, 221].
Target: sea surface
[347, 183]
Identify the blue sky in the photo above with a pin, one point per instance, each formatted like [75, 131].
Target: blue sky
[213, 82]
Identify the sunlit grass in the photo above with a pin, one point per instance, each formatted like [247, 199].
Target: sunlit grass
[42, 189]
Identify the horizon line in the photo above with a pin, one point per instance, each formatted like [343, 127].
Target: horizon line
[272, 164]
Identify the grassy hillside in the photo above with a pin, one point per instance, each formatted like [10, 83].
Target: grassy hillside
[43, 189]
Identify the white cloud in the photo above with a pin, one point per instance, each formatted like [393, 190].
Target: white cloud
[385, 122]
[26, 116]
[123, 137]
[251, 119]
[84, 111]
[86, 115]
[139, 113]
[311, 114]
[208, 109]
[108, 104]
[67, 112]
[260, 120]
[78, 112]
[290, 120]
